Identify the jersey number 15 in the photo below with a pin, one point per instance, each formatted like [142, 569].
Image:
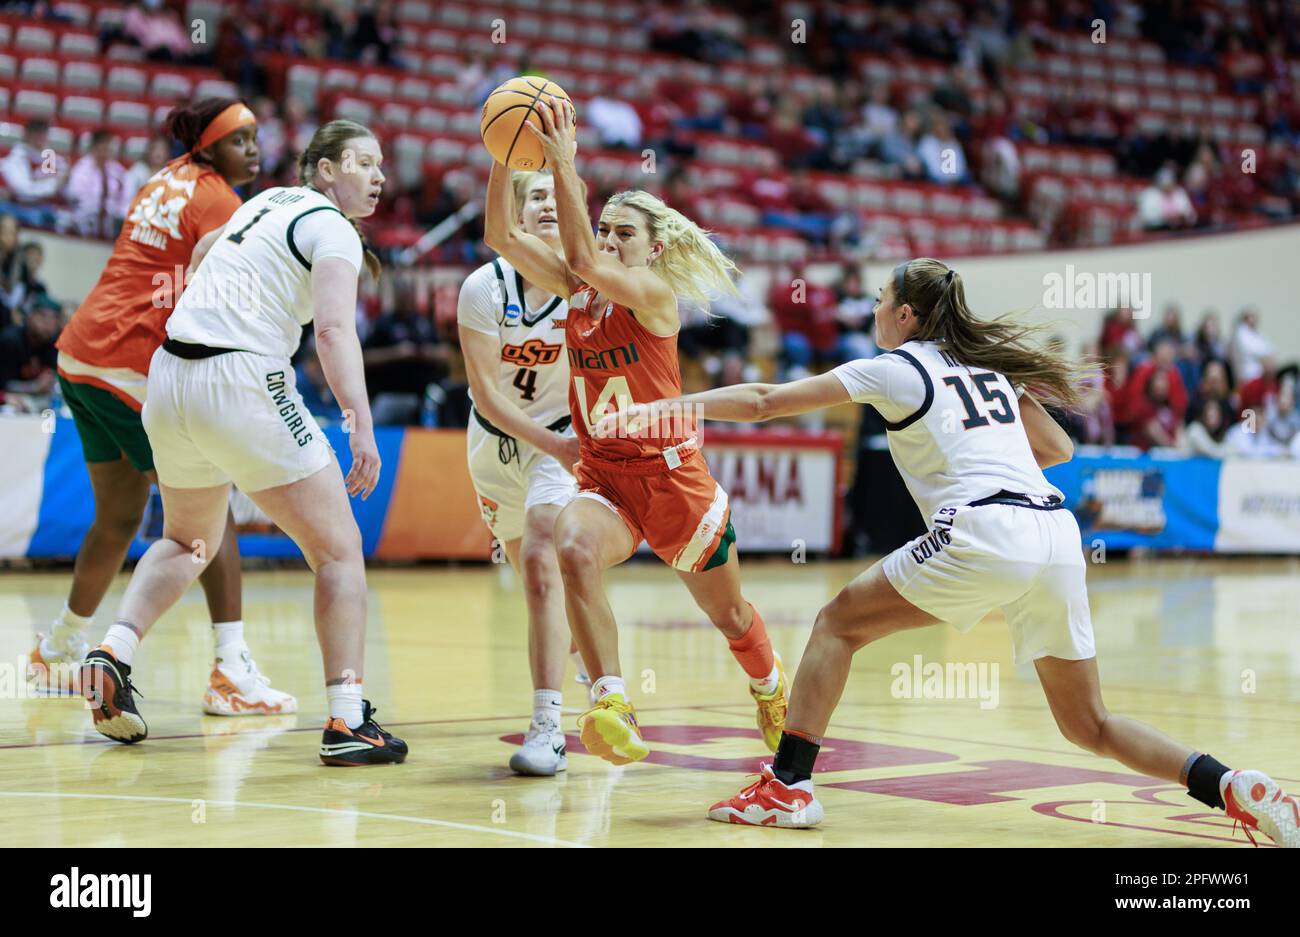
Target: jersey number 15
[984, 383]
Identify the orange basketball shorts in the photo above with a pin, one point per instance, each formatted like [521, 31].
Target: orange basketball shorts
[682, 513]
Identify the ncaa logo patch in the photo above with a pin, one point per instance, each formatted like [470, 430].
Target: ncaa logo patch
[513, 312]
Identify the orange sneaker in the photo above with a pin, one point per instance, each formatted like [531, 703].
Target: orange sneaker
[1255, 800]
[769, 802]
[609, 729]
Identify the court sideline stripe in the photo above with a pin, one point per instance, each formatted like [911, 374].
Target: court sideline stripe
[423, 821]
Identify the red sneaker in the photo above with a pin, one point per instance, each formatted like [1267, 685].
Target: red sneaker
[769, 802]
[1256, 801]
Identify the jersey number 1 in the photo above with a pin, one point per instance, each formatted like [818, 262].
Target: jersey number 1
[991, 394]
[238, 236]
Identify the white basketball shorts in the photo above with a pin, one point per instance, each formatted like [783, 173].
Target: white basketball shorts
[507, 490]
[235, 417]
[1026, 561]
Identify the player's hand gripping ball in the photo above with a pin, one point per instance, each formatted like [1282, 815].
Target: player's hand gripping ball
[512, 117]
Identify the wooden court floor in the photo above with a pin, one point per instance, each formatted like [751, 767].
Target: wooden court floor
[1207, 649]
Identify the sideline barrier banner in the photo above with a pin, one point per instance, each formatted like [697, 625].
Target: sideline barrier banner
[1141, 501]
[784, 488]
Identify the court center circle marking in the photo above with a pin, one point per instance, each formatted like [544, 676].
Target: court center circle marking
[423, 821]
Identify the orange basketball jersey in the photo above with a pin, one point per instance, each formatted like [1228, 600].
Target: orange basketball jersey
[123, 320]
[614, 360]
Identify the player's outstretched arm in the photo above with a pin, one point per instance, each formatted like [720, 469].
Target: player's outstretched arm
[635, 287]
[334, 309]
[1051, 444]
[201, 249]
[531, 256]
[740, 403]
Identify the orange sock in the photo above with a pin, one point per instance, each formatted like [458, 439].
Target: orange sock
[753, 649]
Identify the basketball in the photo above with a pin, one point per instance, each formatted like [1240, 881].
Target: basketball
[504, 113]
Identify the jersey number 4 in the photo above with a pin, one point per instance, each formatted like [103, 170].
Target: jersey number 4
[526, 381]
[984, 382]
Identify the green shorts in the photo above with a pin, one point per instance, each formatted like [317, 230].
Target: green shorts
[109, 428]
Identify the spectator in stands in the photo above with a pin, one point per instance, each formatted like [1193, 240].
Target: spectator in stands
[155, 158]
[158, 30]
[854, 316]
[1164, 205]
[28, 358]
[1283, 424]
[1249, 347]
[1117, 373]
[1153, 420]
[616, 122]
[1096, 424]
[10, 269]
[804, 313]
[942, 155]
[374, 37]
[97, 190]
[1119, 332]
[1258, 394]
[271, 142]
[712, 336]
[1206, 434]
[1209, 338]
[1214, 387]
[24, 286]
[899, 148]
[33, 173]
[403, 355]
[1163, 358]
[794, 143]
[299, 126]
[879, 118]
[1170, 327]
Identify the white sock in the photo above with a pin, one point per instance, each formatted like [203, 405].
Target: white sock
[345, 702]
[123, 641]
[68, 633]
[766, 685]
[546, 707]
[229, 638]
[606, 685]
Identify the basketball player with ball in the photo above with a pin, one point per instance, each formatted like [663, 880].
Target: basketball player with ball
[623, 285]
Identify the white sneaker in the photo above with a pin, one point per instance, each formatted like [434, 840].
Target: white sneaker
[237, 688]
[54, 671]
[1257, 802]
[542, 754]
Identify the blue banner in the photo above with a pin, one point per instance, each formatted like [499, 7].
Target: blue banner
[1141, 501]
[68, 505]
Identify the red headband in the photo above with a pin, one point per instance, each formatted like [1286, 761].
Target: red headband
[228, 121]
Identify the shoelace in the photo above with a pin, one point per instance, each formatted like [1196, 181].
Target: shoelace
[623, 709]
[753, 788]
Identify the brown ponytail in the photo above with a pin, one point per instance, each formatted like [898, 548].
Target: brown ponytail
[328, 142]
[938, 298]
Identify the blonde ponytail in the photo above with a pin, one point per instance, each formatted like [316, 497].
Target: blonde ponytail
[692, 265]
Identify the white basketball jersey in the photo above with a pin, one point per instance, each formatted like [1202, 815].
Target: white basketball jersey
[253, 290]
[956, 433]
[534, 371]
